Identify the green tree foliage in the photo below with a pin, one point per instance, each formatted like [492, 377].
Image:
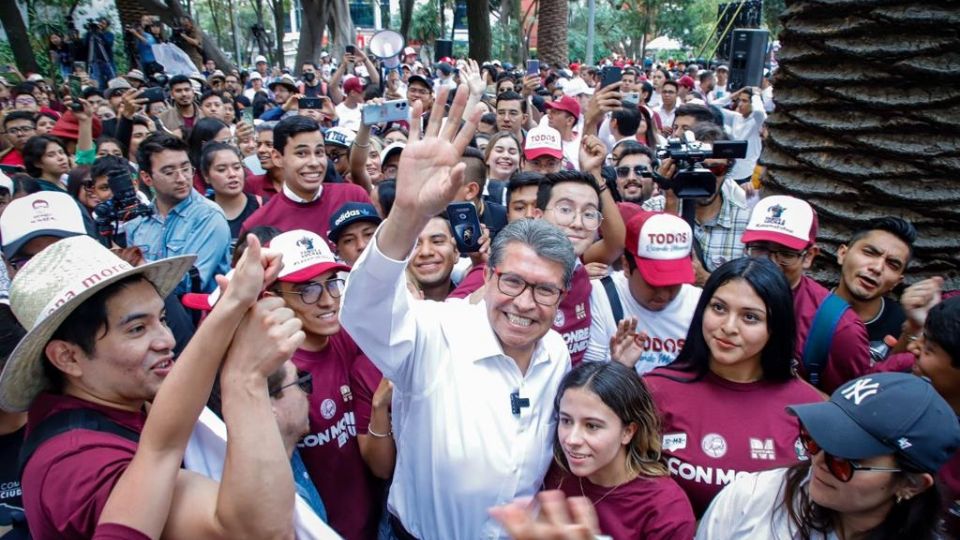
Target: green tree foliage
[425, 25]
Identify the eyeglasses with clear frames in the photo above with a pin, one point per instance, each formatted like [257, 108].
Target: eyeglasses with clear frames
[565, 215]
[172, 172]
[513, 285]
[783, 256]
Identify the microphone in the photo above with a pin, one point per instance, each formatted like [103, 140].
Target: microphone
[517, 403]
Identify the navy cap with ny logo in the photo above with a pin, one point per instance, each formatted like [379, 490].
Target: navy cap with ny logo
[885, 413]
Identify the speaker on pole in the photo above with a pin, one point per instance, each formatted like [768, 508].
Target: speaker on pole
[442, 48]
[748, 54]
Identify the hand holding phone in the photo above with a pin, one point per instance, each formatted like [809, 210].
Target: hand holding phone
[610, 75]
[388, 111]
[466, 226]
[533, 67]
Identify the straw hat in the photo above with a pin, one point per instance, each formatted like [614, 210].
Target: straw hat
[50, 287]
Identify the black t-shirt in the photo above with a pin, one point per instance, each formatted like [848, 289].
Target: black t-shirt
[11, 505]
[887, 323]
[237, 223]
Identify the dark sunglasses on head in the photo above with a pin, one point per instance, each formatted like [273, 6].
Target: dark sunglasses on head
[639, 170]
[842, 469]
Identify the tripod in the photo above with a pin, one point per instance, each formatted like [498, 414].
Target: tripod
[94, 46]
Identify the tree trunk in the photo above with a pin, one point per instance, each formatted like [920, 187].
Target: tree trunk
[552, 32]
[406, 13]
[478, 27]
[278, 20]
[316, 14]
[866, 123]
[340, 19]
[18, 36]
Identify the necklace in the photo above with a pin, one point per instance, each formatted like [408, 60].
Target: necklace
[604, 496]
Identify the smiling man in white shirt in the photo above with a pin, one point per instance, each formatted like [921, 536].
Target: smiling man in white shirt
[473, 383]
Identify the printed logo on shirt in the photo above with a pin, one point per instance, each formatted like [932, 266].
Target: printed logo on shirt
[714, 445]
[559, 319]
[577, 340]
[701, 474]
[860, 390]
[581, 310]
[762, 449]
[328, 408]
[342, 431]
[674, 441]
[800, 450]
[346, 393]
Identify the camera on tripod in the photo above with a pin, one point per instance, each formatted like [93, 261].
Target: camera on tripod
[693, 180]
[123, 207]
[92, 26]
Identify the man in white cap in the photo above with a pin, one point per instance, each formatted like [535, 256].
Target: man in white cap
[543, 151]
[97, 349]
[256, 85]
[654, 290]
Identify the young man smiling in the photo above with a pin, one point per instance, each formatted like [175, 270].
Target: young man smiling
[305, 201]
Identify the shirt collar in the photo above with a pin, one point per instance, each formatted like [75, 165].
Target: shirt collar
[474, 339]
[298, 199]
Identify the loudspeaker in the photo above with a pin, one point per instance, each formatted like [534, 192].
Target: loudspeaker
[387, 46]
[748, 53]
[441, 48]
[736, 14]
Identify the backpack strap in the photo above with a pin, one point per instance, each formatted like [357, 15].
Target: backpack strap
[613, 297]
[64, 421]
[820, 337]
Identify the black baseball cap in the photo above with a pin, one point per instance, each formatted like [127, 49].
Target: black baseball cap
[348, 214]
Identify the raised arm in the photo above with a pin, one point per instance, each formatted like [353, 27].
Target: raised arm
[359, 152]
[609, 248]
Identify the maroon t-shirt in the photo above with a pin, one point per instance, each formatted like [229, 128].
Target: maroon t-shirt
[715, 430]
[330, 451]
[849, 355]
[314, 216]
[573, 314]
[364, 380]
[115, 531]
[949, 480]
[69, 478]
[13, 157]
[900, 363]
[648, 508]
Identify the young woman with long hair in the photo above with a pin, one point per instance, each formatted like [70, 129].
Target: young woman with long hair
[221, 167]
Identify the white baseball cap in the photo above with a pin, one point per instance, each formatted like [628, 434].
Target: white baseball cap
[305, 255]
[783, 220]
[661, 245]
[45, 213]
[260, 58]
[576, 87]
[543, 140]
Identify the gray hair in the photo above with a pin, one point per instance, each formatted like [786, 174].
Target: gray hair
[546, 240]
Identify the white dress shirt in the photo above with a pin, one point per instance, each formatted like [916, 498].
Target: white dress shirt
[747, 129]
[460, 449]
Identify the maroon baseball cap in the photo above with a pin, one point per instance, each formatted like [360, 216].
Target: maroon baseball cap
[566, 104]
[353, 84]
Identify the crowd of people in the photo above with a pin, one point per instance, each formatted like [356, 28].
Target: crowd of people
[448, 300]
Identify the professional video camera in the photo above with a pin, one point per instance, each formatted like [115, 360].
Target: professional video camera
[92, 26]
[693, 180]
[123, 207]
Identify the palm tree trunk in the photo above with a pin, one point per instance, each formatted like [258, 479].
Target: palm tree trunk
[552, 32]
[867, 122]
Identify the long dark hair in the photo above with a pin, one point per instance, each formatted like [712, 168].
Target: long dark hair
[766, 279]
[203, 132]
[917, 518]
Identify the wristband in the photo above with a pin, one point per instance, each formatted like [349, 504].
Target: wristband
[376, 435]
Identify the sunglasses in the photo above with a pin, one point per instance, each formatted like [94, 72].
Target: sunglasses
[639, 170]
[304, 381]
[842, 469]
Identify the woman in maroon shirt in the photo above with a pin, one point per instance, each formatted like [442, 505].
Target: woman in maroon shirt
[607, 449]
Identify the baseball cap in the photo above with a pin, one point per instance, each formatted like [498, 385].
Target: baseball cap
[784, 220]
[576, 87]
[348, 214]
[136, 75]
[35, 77]
[45, 213]
[722, 67]
[870, 416]
[542, 141]
[686, 81]
[422, 80]
[305, 255]
[353, 84]
[255, 75]
[339, 136]
[661, 244]
[566, 104]
[286, 81]
[217, 74]
[260, 58]
[390, 150]
[408, 51]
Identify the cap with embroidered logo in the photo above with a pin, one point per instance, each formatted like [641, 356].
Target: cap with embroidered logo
[882, 414]
[542, 141]
[45, 213]
[339, 136]
[348, 214]
[305, 256]
[783, 220]
[660, 243]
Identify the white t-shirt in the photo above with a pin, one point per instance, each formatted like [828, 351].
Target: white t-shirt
[349, 118]
[667, 328]
[751, 508]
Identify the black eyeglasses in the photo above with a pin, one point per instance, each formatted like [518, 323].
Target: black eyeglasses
[304, 381]
[311, 293]
[514, 285]
[783, 256]
[640, 170]
[842, 469]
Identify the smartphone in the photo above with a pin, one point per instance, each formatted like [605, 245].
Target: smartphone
[632, 97]
[388, 111]
[466, 226]
[533, 67]
[76, 92]
[610, 75]
[351, 49]
[247, 114]
[153, 95]
[310, 103]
